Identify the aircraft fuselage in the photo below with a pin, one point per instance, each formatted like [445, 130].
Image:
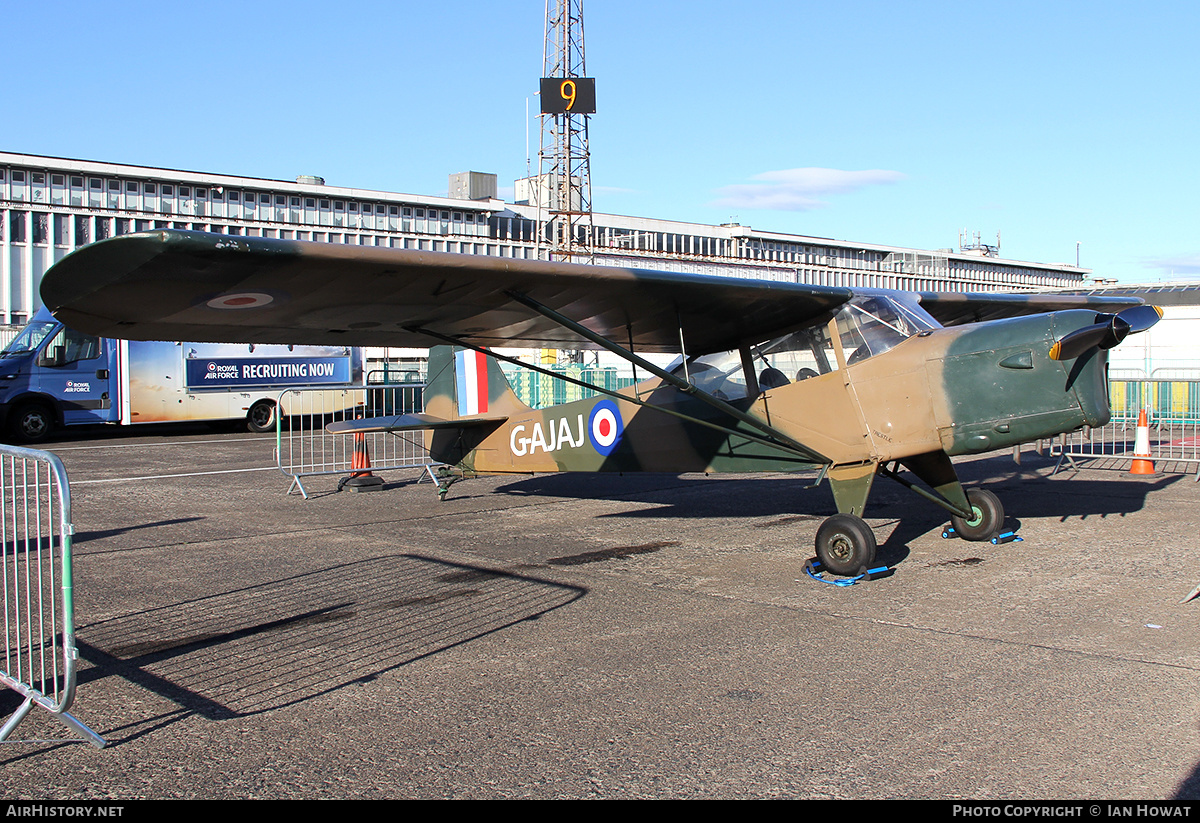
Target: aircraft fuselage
[961, 390]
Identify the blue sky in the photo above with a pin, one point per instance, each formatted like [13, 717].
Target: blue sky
[1053, 123]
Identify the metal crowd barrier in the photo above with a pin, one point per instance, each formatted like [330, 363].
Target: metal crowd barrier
[39, 612]
[305, 449]
[1173, 413]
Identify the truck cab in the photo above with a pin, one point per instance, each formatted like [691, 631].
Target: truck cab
[52, 376]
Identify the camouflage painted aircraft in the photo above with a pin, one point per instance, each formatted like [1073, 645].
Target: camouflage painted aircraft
[771, 376]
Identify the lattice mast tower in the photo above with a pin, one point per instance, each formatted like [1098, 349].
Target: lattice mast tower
[564, 185]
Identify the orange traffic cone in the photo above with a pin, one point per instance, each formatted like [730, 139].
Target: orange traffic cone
[361, 479]
[1142, 462]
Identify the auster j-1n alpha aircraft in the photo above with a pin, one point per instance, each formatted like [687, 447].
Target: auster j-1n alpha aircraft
[772, 376]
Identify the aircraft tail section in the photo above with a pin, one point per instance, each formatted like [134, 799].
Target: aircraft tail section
[466, 383]
[410, 422]
[463, 383]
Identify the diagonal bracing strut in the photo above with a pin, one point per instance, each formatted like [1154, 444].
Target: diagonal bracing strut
[685, 386]
[637, 401]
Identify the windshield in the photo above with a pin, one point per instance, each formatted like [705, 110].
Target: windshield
[871, 325]
[29, 339]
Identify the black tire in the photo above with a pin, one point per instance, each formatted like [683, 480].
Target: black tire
[31, 423]
[988, 517]
[261, 418]
[845, 544]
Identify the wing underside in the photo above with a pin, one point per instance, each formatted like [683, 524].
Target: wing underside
[957, 308]
[182, 285]
[177, 285]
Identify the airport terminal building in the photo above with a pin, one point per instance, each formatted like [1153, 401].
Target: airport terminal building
[49, 206]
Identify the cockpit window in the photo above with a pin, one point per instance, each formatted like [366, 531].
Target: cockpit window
[871, 325]
[788, 359]
[719, 374]
[867, 325]
[797, 356]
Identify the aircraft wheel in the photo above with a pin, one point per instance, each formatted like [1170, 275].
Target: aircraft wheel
[845, 544]
[261, 417]
[31, 423]
[987, 516]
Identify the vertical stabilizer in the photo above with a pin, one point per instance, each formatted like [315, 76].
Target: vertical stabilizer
[464, 382]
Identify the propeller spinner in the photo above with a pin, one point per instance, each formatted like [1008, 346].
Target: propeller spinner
[1106, 332]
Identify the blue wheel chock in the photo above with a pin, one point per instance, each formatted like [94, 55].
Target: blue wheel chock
[1003, 537]
[814, 570]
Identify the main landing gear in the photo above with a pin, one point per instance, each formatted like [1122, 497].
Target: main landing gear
[987, 516]
[845, 543]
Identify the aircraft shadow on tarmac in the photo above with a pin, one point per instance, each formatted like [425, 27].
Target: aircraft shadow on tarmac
[23, 544]
[1189, 789]
[82, 536]
[283, 641]
[790, 499]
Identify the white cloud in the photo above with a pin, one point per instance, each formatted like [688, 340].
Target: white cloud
[799, 189]
[614, 190]
[1184, 264]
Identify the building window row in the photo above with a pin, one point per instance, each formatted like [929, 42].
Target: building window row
[156, 197]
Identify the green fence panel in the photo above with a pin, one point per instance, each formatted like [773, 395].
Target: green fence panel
[539, 391]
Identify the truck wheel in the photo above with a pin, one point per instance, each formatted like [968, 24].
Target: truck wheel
[261, 418]
[31, 423]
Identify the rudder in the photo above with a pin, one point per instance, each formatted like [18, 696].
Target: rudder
[464, 382]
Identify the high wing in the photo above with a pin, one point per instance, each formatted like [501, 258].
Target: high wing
[181, 285]
[956, 308]
[184, 285]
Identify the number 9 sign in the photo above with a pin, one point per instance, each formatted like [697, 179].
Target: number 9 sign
[568, 95]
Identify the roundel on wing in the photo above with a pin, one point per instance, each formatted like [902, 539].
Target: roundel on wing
[605, 427]
[241, 300]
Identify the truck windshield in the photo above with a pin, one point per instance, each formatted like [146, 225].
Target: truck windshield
[29, 339]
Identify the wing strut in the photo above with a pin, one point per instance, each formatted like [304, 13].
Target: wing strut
[808, 454]
[683, 385]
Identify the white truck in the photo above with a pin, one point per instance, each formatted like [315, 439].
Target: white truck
[52, 376]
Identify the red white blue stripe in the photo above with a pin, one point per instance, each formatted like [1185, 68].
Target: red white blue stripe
[470, 374]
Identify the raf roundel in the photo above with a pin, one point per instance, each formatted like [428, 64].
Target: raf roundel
[605, 427]
[243, 300]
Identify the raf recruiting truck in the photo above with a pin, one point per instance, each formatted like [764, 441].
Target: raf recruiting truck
[52, 376]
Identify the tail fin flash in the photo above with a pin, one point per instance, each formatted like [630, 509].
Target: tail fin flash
[464, 382]
[471, 381]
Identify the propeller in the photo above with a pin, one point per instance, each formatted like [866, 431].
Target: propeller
[1106, 332]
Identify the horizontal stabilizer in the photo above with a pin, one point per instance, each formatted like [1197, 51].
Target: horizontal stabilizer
[409, 422]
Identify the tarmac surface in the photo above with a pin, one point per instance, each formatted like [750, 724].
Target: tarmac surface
[609, 636]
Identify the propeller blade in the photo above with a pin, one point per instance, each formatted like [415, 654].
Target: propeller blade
[1141, 318]
[1106, 332]
[1079, 342]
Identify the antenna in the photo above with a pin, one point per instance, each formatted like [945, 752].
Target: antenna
[568, 99]
[976, 246]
